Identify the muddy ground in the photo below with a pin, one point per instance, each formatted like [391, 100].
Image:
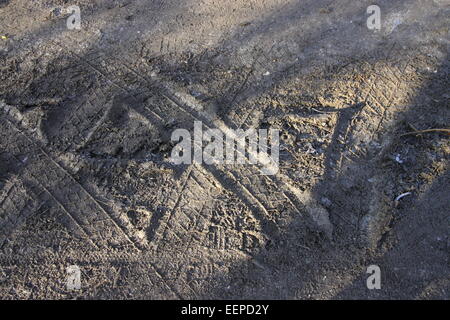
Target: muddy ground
[85, 171]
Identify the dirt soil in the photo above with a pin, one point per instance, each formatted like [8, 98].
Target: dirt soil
[86, 118]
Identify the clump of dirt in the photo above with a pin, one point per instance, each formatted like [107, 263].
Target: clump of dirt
[86, 119]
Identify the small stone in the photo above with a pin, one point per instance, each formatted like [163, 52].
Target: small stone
[326, 202]
[56, 12]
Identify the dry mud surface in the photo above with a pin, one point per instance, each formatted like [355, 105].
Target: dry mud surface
[86, 118]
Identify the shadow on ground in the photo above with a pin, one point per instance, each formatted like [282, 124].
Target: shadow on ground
[409, 241]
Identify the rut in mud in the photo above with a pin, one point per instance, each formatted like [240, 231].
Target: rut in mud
[85, 171]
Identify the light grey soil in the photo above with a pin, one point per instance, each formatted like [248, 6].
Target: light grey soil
[86, 118]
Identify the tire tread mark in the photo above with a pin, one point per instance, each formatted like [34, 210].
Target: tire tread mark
[66, 173]
[163, 222]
